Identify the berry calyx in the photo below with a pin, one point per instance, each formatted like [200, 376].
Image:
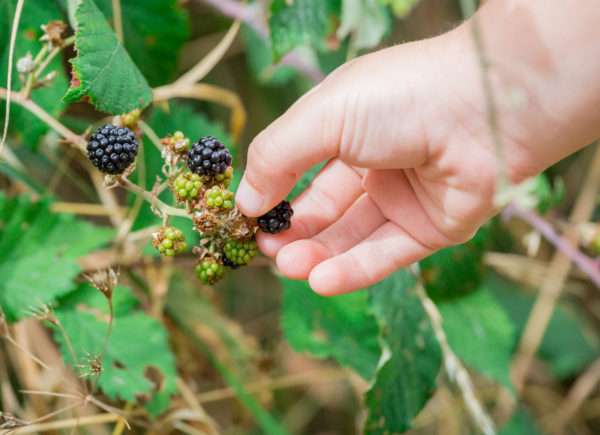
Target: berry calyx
[112, 149]
[188, 187]
[240, 252]
[169, 241]
[216, 197]
[209, 271]
[277, 219]
[208, 156]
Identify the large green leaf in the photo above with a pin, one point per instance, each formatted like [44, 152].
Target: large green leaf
[570, 343]
[411, 358]
[455, 271]
[26, 126]
[137, 343]
[301, 22]
[154, 32]
[38, 260]
[478, 322]
[338, 327]
[103, 72]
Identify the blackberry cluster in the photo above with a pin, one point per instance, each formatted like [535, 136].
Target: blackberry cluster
[208, 156]
[216, 197]
[112, 149]
[170, 241]
[239, 252]
[278, 219]
[209, 271]
[188, 186]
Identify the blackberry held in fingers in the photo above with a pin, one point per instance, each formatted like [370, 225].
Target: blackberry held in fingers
[112, 149]
[278, 219]
[208, 156]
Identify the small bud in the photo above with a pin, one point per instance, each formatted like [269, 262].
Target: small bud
[105, 281]
[25, 64]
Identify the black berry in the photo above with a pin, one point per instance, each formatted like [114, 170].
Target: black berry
[208, 156]
[278, 219]
[112, 149]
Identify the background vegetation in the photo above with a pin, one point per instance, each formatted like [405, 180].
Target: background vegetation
[499, 335]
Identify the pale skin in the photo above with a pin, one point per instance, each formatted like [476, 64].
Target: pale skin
[412, 166]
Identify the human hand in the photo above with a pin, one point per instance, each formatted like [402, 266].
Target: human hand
[412, 167]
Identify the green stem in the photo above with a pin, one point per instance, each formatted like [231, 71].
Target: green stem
[152, 199]
[69, 41]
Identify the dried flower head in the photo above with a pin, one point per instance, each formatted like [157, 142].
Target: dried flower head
[105, 281]
[25, 65]
[94, 364]
[9, 421]
[43, 312]
[53, 33]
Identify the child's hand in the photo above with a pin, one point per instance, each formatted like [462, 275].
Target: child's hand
[412, 167]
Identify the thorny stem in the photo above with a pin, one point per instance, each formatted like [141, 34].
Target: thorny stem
[453, 367]
[110, 322]
[587, 265]
[152, 199]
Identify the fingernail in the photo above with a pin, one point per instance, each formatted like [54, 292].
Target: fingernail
[248, 198]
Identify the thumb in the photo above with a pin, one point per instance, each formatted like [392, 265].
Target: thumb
[363, 114]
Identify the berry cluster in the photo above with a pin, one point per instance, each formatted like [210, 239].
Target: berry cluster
[239, 252]
[188, 186]
[216, 197]
[209, 271]
[277, 219]
[170, 241]
[208, 156]
[112, 149]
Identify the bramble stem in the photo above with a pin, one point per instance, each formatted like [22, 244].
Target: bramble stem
[152, 199]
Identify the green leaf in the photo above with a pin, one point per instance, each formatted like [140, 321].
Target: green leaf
[338, 327]
[88, 297]
[154, 32]
[520, 424]
[27, 127]
[301, 22]
[411, 358]
[103, 72]
[570, 343]
[367, 20]
[478, 322]
[39, 253]
[455, 271]
[136, 349]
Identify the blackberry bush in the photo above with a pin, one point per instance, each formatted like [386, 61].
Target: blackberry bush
[277, 219]
[208, 156]
[112, 149]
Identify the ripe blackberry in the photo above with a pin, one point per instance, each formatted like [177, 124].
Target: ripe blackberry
[170, 241]
[216, 197]
[239, 252]
[278, 219]
[187, 186]
[209, 157]
[209, 271]
[112, 149]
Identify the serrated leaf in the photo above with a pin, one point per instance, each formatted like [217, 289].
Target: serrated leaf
[103, 72]
[154, 32]
[411, 358]
[137, 344]
[570, 343]
[301, 22]
[338, 327]
[455, 271]
[26, 126]
[39, 253]
[478, 322]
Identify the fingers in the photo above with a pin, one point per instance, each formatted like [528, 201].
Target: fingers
[307, 134]
[299, 258]
[388, 249]
[335, 188]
